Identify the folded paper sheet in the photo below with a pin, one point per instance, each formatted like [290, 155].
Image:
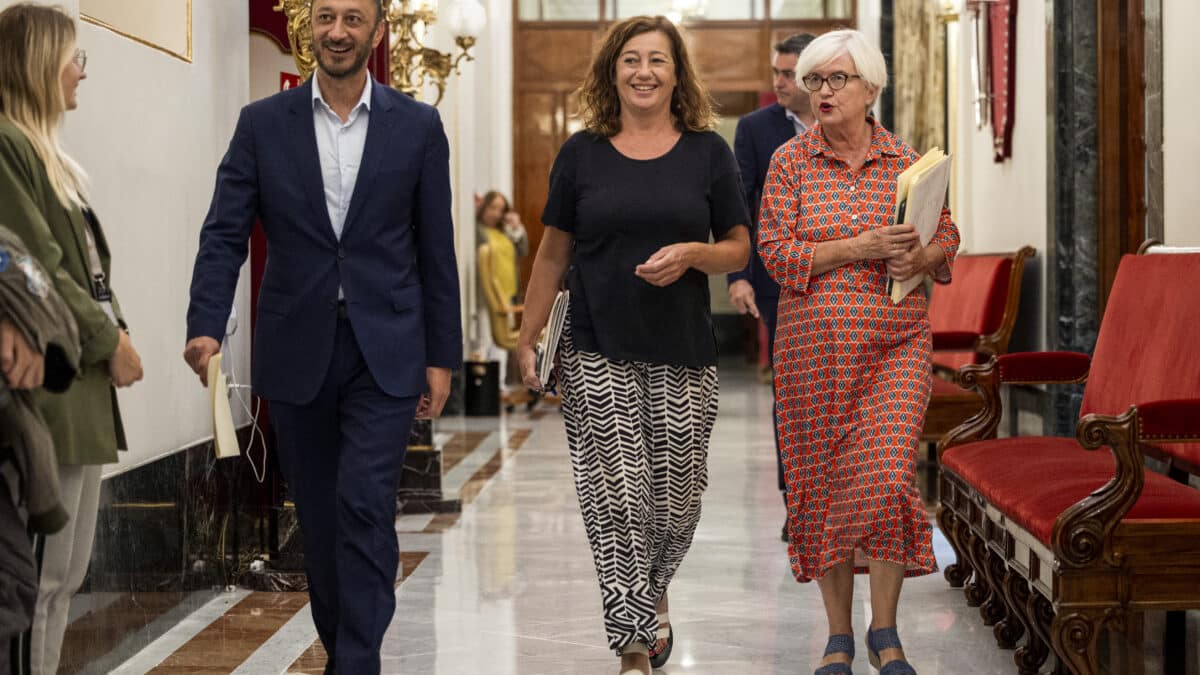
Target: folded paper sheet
[225, 440]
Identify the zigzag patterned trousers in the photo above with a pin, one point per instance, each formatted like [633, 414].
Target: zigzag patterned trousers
[638, 434]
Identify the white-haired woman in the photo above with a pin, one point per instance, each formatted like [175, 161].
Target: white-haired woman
[43, 199]
[852, 369]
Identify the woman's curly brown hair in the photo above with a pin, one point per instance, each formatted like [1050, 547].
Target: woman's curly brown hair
[599, 105]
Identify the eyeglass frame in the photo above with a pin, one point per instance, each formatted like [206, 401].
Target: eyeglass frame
[80, 59]
[823, 80]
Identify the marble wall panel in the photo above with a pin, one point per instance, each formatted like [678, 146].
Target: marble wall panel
[1073, 232]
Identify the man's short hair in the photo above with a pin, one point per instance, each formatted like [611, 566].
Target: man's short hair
[795, 44]
[380, 9]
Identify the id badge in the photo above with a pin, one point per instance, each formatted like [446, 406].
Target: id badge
[103, 295]
[100, 289]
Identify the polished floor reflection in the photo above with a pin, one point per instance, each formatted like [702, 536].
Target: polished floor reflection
[507, 586]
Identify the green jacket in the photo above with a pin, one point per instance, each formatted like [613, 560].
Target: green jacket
[84, 421]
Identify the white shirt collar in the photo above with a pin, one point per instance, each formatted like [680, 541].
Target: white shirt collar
[364, 99]
[795, 120]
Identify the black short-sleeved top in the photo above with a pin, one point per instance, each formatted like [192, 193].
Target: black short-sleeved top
[620, 211]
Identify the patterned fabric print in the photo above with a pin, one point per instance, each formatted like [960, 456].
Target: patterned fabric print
[638, 435]
[852, 370]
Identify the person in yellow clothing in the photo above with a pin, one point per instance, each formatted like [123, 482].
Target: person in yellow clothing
[497, 258]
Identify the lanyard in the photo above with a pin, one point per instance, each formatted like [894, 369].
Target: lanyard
[100, 289]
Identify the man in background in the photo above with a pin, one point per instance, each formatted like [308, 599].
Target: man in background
[752, 291]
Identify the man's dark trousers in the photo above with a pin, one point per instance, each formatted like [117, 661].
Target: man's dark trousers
[757, 137]
[351, 438]
[768, 309]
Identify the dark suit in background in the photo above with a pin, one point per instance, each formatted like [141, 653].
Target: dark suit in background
[343, 379]
[757, 137]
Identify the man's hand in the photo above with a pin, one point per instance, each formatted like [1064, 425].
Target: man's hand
[439, 389]
[23, 367]
[741, 296]
[124, 366]
[667, 264]
[197, 352]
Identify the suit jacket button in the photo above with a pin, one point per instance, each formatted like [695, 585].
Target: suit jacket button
[341, 253]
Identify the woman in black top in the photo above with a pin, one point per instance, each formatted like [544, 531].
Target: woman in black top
[633, 201]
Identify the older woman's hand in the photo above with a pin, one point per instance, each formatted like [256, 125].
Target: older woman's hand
[667, 264]
[886, 242]
[908, 264]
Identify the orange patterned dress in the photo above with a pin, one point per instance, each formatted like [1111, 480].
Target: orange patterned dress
[852, 370]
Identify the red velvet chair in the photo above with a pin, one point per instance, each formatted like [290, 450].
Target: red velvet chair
[1056, 541]
[972, 319]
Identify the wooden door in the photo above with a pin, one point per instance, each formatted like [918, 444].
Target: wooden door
[549, 64]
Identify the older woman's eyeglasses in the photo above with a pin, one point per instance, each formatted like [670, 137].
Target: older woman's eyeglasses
[814, 82]
[80, 59]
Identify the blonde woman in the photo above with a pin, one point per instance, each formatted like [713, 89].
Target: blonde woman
[633, 202]
[43, 199]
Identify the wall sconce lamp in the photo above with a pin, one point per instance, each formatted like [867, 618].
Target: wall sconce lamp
[411, 62]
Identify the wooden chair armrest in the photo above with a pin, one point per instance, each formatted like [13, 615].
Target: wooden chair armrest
[1018, 368]
[997, 342]
[983, 379]
[1082, 532]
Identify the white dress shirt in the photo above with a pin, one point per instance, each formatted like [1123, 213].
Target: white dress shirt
[340, 148]
[801, 127]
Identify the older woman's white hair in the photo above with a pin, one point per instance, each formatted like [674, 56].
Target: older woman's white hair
[866, 56]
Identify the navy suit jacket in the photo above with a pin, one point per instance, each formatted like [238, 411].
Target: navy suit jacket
[757, 137]
[395, 261]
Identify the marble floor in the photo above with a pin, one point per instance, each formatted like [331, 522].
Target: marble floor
[508, 586]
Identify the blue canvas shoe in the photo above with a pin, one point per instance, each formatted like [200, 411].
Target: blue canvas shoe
[838, 644]
[886, 638]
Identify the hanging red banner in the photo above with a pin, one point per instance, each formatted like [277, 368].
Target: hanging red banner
[1002, 24]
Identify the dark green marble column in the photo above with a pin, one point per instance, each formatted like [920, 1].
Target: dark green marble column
[1072, 233]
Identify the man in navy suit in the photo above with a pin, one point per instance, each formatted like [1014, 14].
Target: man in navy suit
[751, 290]
[358, 312]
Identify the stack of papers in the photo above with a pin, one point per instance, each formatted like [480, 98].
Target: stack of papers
[548, 346]
[225, 440]
[920, 196]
